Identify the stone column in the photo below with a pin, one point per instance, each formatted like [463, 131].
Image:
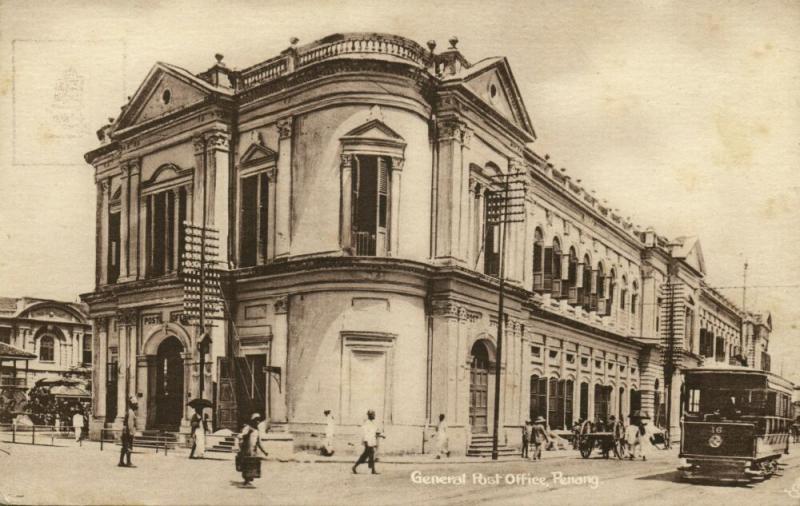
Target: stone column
[217, 186]
[123, 360]
[346, 212]
[283, 207]
[190, 389]
[198, 179]
[272, 191]
[394, 199]
[463, 195]
[143, 246]
[134, 252]
[123, 221]
[279, 358]
[176, 231]
[143, 367]
[100, 342]
[103, 188]
[449, 182]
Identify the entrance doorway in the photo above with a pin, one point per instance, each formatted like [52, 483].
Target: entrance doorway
[479, 388]
[169, 384]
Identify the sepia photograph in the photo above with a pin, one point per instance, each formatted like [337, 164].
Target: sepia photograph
[354, 252]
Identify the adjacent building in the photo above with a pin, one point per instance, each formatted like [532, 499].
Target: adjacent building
[42, 339]
[350, 183]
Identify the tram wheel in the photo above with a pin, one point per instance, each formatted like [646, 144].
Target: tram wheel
[586, 449]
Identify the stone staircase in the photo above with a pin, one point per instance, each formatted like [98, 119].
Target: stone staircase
[481, 446]
[226, 444]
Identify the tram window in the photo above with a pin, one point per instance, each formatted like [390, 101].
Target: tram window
[694, 400]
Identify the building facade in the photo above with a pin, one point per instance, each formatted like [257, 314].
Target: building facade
[350, 182]
[43, 339]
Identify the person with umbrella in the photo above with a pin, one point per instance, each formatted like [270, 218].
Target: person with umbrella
[199, 426]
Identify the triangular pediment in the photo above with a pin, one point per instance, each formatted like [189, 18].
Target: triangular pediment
[165, 90]
[374, 129]
[257, 154]
[492, 81]
[688, 249]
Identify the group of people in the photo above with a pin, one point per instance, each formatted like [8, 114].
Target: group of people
[534, 436]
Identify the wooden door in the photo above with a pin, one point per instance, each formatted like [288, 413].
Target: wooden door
[479, 389]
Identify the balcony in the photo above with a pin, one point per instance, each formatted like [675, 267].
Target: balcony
[335, 46]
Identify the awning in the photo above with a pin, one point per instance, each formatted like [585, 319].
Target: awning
[69, 391]
[8, 352]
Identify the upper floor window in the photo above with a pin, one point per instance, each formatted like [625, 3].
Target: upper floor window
[555, 269]
[538, 257]
[586, 283]
[634, 297]
[165, 207]
[254, 220]
[623, 294]
[113, 246]
[370, 214]
[574, 292]
[46, 348]
[5, 335]
[166, 212]
[87, 349]
[371, 156]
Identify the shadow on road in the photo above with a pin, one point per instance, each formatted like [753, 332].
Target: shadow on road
[674, 477]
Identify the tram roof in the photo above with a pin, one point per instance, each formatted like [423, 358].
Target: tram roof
[773, 380]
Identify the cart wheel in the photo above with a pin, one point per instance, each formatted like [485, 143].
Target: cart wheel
[619, 449]
[586, 448]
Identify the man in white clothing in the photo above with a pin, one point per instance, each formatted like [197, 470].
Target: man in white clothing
[77, 424]
[369, 436]
[330, 427]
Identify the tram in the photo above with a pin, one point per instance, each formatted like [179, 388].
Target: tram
[736, 423]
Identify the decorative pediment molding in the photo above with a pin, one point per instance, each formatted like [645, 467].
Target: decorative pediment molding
[166, 172]
[257, 154]
[374, 137]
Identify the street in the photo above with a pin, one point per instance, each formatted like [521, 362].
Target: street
[85, 475]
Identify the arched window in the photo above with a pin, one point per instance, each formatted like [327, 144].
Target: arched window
[538, 258]
[598, 288]
[560, 403]
[47, 348]
[538, 397]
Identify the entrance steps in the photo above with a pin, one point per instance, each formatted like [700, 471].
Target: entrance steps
[481, 446]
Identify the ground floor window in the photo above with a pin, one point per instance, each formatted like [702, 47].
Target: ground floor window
[602, 401]
[538, 399]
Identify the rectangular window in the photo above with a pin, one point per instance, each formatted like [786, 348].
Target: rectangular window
[536, 351]
[113, 247]
[538, 397]
[87, 349]
[254, 225]
[694, 400]
[553, 354]
[165, 239]
[584, 361]
[5, 335]
[370, 211]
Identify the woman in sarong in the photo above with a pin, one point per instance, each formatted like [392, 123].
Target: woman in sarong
[248, 462]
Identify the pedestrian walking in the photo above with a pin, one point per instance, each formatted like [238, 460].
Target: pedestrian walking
[128, 431]
[369, 437]
[526, 438]
[248, 461]
[539, 437]
[199, 428]
[77, 425]
[631, 438]
[442, 438]
[644, 437]
[330, 428]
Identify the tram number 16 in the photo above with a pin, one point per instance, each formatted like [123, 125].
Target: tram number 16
[716, 429]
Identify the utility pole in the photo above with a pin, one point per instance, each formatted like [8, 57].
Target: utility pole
[744, 288]
[505, 205]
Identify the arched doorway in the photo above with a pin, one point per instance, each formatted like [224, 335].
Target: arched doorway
[479, 388]
[169, 384]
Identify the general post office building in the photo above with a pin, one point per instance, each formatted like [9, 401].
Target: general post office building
[348, 180]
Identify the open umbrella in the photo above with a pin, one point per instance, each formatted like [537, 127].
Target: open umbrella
[200, 403]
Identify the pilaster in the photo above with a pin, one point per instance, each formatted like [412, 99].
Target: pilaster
[346, 212]
[217, 185]
[134, 237]
[451, 190]
[103, 188]
[283, 205]
[394, 197]
[279, 358]
[124, 225]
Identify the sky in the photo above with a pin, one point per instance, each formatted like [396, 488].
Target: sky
[684, 115]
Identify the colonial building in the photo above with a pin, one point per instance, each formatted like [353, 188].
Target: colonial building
[350, 181]
[42, 339]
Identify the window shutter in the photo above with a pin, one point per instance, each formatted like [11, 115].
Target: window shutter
[579, 275]
[565, 266]
[548, 269]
